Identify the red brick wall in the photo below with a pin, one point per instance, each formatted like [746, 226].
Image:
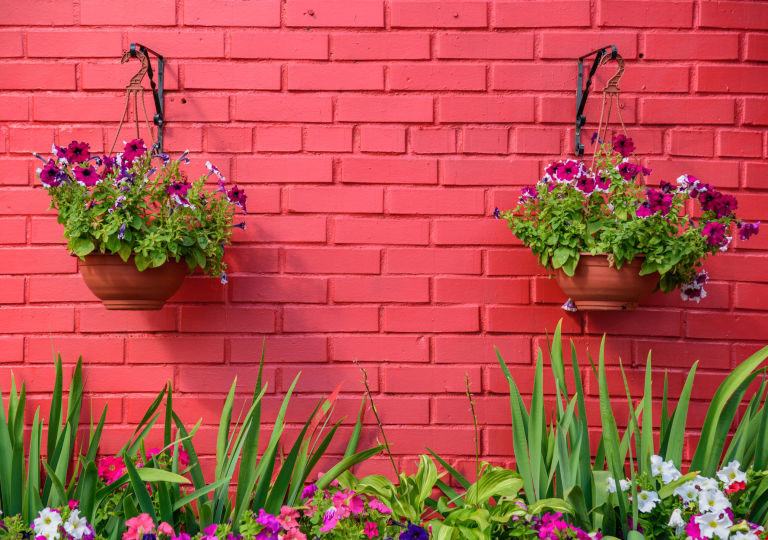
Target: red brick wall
[374, 138]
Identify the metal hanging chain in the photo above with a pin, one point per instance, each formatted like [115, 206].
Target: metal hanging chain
[136, 90]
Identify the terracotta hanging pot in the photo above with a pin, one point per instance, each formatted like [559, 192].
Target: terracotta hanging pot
[598, 286]
[120, 285]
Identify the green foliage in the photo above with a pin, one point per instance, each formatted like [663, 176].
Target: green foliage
[563, 216]
[145, 208]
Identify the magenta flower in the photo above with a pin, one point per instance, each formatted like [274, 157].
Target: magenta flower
[714, 232]
[269, 521]
[629, 171]
[177, 191]
[51, 175]
[371, 529]
[87, 176]
[602, 183]
[309, 491]
[528, 192]
[379, 506]
[747, 230]
[569, 306]
[330, 519]
[134, 149]
[237, 196]
[623, 145]
[77, 152]
[288, 518]
[586, 184]
[721, 205]
[659, 201]
[569, 170]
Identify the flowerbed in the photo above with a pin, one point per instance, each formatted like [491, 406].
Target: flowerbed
[561, 487]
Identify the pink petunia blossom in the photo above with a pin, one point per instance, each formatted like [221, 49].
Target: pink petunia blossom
[138, 526]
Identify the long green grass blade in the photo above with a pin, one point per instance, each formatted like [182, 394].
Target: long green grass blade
[138, 485]
[346, 463]
[646, 433]
[54, 418]
[676, 438]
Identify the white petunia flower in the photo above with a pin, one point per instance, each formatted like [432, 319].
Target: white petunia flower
[610, 485]
[676, 521]
[76, 525]
[738, 535]
[647, 501]
[687, 492]
[669, 472]
[656, 464]
[625, 485]
[714, 524]
[704, 483]
[731, 473]
[47, 524]
[713, 500]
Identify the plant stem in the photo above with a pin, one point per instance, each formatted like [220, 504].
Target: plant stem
[474, 419]
[376, 415]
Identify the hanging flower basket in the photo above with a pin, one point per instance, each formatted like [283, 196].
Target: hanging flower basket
[120, 285]
[597, 284]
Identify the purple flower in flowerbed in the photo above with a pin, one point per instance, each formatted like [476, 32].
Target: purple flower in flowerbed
[714, 233]
[748, 230]
[87, 176]
[51, 175]
[237, 196]
[414, 532]
[134, 149]
[623, 145]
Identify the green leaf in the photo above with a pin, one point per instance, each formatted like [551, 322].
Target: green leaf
[81, 246]
[560, 256]
[142, 262]
[158, 258]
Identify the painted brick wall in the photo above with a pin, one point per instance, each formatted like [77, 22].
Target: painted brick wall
[374, 138]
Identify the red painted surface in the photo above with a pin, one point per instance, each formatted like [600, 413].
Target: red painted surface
[374, 138]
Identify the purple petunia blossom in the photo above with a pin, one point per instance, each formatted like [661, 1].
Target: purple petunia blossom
[309, 491]
[77, 152]
[330, 519]
[224, 279]
[177, 191]
[87, 176]
[414, 532]
[748, 230]
[527, 193]
[659, 201]
[569, 170]
[623, 145]
[629, 171]
[134, 149]
[237, 196]
[51, 175]
[644, 210]
[594, 138]
[183, 157]
[109, 165]
[714, 232]
[585, 183]
[268, 521]
[121, 233]
[602, 183]
[496, 213]
[240, 225]
[569, 305]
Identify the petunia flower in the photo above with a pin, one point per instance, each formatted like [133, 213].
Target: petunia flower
[87, 176]
[309, 491]
[569, 305]
[731, 473]
[50, 175]
[77, 152]
[714, 524]
[676, 521]
[414, 532]
[134, 149]
[714, 232]
[111, 468]
[379, 506]
[268, 521]
[748, 230]
[371, 530]
[623, 145]
[496, 213]
[138, 526]
[237, 196]
[647, 501]
[288, 518]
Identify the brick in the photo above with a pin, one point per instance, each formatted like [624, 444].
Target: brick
[12, 290]
[479, 140]
[332, 261]
[431, 319]
[381, 231]
[640, 322]
[733, 326]
[29, 139]
[561, 44]
[328, 139]
[485, 109]
[97, 319]
[14, 108]
[34, 260]
[140, 12]
[23, 201]
[648, 14]
[380, 46]
[13, 230]
[353, 200]
[226, 319]
[481, 349]
[546, 291]
[444, 14]
[170, 350]
[652, 78]
[11, 44]
[39, 13]
[16, 172]
[442, 440]
[231, 13]
[283, 108]
[443, 76]
[200, 289]
[433, 140]
[756, 176]
[687, 111]
[732, 79]
[692, 143]
[220, 75]
[283, 45]
[388, 170]
[757, 47]
[489, 410]
[335, 13]
[740, 143]
[723, 173]
[730, 15]
[330, 319]
[483, 290]
[93, 135]
[284, 169]
[518, 319]
[251, 259]
[42, 320]
[380, 348]
[278, 138]
[181, 138]
[37, 76]
[755, 112]
[470, 231]
[279, 289]
[59, 289]
[429, 201]
[12, 349]
[334, 76]
[525, 14]
[284, 229]
[220, 378]
[380, 289]
[229, 139]
[560, 109]
[532, 76]
[280, 349]
[195, 108]
[432, 261]
[731, 266]
[382, 139]
[384, 109]
[752, 206]
[529, 140]
[494, 46]
[433, 380]
[69, 44]
[489, 171]
[694, 46]
[112, 76]
[187, 43]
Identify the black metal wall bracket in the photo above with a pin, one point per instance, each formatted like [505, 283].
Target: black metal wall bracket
[583, 93]
[157, 89]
